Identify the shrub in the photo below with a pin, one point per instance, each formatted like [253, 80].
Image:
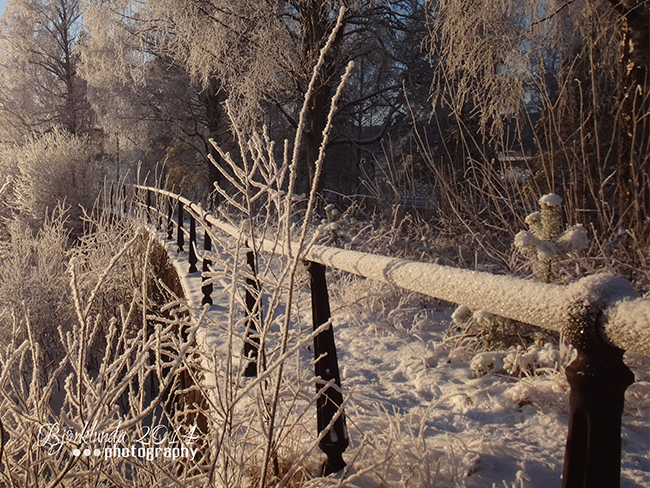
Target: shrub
[546, 242]
[34, 296]
[51, 169]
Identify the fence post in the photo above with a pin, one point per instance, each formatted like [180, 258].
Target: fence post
[251, 339]
[148, 201]
[207, 246]
[123, 200]
[327, 368]
[192, 257]
[598, 379]
[180, 238]
[159, 215]
[170, 219]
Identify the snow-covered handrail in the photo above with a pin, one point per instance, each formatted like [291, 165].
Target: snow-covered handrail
[595, 313]
[625, 322]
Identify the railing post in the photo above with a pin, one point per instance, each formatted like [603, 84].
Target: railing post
[180, 238]
[123, 200]
[251, 339]
[170, 219]
[207, 246]
[192, 257]
[148, 201]
[159, 215]
[598, 379]
[327, 368]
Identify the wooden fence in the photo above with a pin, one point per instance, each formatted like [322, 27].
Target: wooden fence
[601, 316]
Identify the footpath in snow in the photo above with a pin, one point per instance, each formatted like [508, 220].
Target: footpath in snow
[418, 412]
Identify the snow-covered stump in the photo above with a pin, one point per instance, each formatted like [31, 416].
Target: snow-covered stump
[326, 367]
[598, 379]
[251, 338]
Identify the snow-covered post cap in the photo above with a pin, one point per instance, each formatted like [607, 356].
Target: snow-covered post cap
[607, 307]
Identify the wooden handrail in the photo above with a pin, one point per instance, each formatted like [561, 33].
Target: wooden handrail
[548, 306]
[600, 315]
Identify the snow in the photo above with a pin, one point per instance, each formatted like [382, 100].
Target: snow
[422, 410]
[552, 200]
[627, 324]
[574, 238]
[546, 250]
[482, 317]
[461, 314]
[526, 239]
[485, 362]
[534, 219]
[418, 414]
[627, 318]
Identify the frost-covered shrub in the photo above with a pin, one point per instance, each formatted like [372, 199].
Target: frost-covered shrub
[485, 362]
[34, 291]
[51, 169]
[548, 245]
[34, 296]
[40, 396]
[546, 242]
[521, 361]
[397, 233]
[493, 331]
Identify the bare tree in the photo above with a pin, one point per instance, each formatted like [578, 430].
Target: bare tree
[633, 118]
[562, 59]
[145, 96]
[260, 56]
[40, 86]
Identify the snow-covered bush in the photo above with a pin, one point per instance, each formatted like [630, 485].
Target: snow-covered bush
[521, 361]
[546, 241]
[52, 169]
[485, 362]
[34, 293]
[58, 413]
[548, 245]
[492, 332]
[36, 298]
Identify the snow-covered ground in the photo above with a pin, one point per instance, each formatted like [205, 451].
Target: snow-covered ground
[418, 416]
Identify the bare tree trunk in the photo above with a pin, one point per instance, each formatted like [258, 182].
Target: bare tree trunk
[317, 22]
[633, 125]
[212, 98]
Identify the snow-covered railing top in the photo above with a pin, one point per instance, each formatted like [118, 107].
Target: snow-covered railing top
[622, 318]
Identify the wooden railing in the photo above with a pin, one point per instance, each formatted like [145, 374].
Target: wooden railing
[601, 316]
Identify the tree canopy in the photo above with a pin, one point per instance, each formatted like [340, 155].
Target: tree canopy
[442, 92]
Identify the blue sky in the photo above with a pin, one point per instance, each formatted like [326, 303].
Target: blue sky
[3, 4]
